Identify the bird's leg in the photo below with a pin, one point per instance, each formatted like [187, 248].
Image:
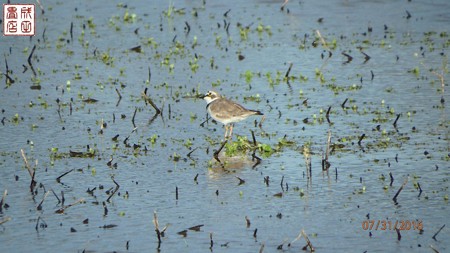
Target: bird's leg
[231, 130]
[226, 131]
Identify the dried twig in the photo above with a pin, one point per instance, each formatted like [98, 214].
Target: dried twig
[39, 207]
[30, 170]
[29, 60]
[327, 115]
[361, 138]
[3, 200]
[262, 120]
[71, 32]
[247, 221]
[327, 154]
[307, 155]
[241, 181]
[399, 236]
[211, 242]
[43, 224]
[434, 250]
[262, 248]
[343, 103]
[392, 178]
[41, 6]
[115, 189]
[9, 80]
[395, 122]
[62, 209]
[308, 242]
[147, 99]
[196, 227]
[296, 238]
[434, 236]
[325, 163]
[289, 70]
[366, 56]
[134, 116]
[420, 189]
[399, 190]
[58, 179]
[258, 160]
[349, 57]
[156, 223]
[56, 196]
[216, 154]
[164, 229]
[322, 40]
[282, 8]
[120, 97]
[6, 219]
[190, 153]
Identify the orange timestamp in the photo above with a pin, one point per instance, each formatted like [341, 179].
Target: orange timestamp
[392, 225]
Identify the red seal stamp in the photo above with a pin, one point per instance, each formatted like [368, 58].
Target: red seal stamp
[19, 19]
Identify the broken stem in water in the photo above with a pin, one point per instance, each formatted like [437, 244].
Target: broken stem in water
[58, 179]
[147, 99]
[325, 163]
[6, 219]
[115, 189]
[308, 242]
[3, 200]
[216, 154]
[289, 70]
[434, 236]
[399, 190]
[30, 170]
[39, 207]
[156, 223]
[62, 209]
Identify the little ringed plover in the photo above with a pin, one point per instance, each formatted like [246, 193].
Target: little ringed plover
[226, 111]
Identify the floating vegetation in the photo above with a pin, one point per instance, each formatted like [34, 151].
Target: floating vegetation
[55, 154]
[129, 18]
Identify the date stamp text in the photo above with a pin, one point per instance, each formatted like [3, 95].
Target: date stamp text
[392, 225]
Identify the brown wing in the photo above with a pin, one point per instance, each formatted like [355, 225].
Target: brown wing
[229, 108]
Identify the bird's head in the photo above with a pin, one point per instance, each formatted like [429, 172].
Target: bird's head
[211, 96]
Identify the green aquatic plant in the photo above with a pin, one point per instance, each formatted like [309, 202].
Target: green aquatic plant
[107, 59]
[240, 146]
[171, 11]
[217, 83]
[150, 42]
[194, 65]
[175, 157]
[129, 18]
[193, 117]
[243, 32]
[248, 76]
[254, 98]
[15, 119]
[415, 71]
[188, 143]
[194, 42]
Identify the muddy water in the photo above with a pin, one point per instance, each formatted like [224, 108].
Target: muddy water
[243, 50]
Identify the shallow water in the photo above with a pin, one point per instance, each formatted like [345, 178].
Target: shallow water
[196, 190]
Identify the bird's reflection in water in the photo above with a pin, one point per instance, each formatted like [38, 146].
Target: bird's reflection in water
[223, 164]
